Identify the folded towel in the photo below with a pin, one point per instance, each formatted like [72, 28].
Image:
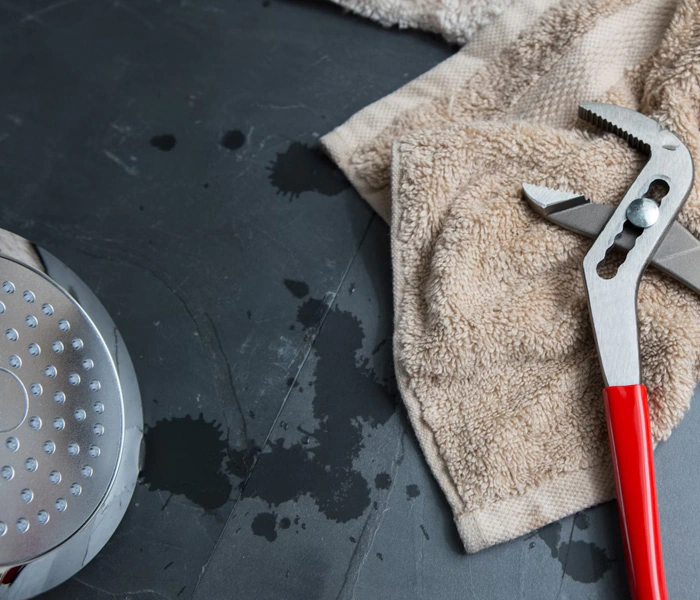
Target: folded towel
[348, 143]
[494, 352]
[456, 20]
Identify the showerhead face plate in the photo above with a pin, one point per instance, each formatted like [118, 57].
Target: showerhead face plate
[71, 422]
[61, 415]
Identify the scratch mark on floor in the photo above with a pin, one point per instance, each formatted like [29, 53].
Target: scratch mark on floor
[132, 170]
[50, 8]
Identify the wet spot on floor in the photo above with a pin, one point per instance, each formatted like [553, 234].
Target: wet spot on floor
[299, 289]
[382, 481]
[232, 140]
[265, 525]
[301, 168]
[186, 456]
[311, 313]
[551, 535]
[582, 521]
[582, 561]
[165, 142]
[412, 491]
[348, 400]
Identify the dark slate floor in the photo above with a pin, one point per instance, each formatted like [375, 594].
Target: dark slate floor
[165, 150]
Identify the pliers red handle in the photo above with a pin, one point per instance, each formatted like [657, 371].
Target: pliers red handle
[627, 415]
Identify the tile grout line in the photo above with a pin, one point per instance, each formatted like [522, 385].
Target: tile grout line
[287, 395]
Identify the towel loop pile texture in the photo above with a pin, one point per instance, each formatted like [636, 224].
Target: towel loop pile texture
[493, 349]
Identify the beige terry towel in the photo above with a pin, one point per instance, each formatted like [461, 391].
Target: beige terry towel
[494, 353]
[456, 20]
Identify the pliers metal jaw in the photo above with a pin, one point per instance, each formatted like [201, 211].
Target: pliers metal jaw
[638, 225]
[613, 301]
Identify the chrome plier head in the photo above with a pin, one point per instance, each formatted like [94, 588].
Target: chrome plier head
[612, 294]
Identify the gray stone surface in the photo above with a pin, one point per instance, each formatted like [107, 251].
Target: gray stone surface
[165, 150]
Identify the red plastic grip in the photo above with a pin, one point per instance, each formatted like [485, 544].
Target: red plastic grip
[627, 415]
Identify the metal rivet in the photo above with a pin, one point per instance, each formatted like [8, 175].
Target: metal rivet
[643, 212]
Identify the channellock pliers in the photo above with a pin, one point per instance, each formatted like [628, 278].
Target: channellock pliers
[639, 226]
